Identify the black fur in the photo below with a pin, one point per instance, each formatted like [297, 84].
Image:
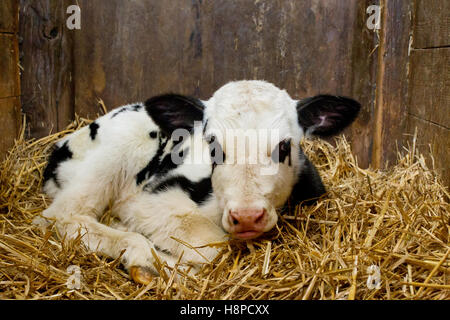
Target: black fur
[56, 157]
[173, 111]
[153, 134]
[115, 114]
[93, 127]
[198, 191]
[135, 108]
[216, 152]
[152, 167]
[339, 112]
[167, 164]
[309, 186]
[282, 151]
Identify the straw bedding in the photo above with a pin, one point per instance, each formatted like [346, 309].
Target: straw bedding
[376, 235]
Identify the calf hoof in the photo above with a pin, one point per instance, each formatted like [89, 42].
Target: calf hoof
[141, 275]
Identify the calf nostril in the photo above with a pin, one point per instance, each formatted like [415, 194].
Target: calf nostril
[260, 216]
[259, 219]
[235, 221]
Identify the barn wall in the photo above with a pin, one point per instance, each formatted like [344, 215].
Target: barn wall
[428, 98]
[130, 50]
[9, 75]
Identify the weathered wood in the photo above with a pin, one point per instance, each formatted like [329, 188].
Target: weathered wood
[47, 92]
[392, 88]
[431, 24]
[9, 75]
[363, 84]
[9, 123]
[434, 138]
[130, 50]
[196, 47]
[429, 85]
[9, 10]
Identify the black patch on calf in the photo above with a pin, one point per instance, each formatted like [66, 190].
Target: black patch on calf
[58, 155]
[282, 151]
[167, 163]
[152, 167]
[215, 151]
[93, 127]
[115, 114]
[309, 186]
[135, 108]
[198, 191]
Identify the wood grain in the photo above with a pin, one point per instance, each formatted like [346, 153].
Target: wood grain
[429, 86]
[9, 75]
[434, 138]
[9, 123]
[392, 84]
[305, 47]
[47, 91]
[431, 24]
[9, 11]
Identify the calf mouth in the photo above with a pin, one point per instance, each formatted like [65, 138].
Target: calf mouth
[247, 235]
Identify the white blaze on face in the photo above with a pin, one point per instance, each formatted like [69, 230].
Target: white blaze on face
[249, 119]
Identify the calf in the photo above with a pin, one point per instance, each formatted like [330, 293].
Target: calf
[126, 158]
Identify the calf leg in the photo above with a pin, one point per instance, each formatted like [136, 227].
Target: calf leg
[172, 221]
[77, 213]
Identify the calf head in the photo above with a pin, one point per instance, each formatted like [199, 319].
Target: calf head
[254, 130]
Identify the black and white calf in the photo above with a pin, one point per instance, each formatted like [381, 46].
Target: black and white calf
[126, 159]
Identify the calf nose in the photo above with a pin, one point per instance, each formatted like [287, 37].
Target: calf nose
[248, 219]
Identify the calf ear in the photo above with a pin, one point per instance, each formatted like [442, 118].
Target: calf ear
[172, 111]
[326, 115]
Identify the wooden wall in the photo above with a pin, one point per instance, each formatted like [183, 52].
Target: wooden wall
[130, 50]
[428, 98]
[9, 75]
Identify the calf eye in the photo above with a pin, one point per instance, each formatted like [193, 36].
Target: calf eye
[215, 151]
[281, 151]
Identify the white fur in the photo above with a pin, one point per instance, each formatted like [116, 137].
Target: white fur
[240, 185]
[103, 172]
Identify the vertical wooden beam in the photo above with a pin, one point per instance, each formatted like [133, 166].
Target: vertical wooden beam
[363, 84]
[392, 84]
[9, 75]
[47, 98]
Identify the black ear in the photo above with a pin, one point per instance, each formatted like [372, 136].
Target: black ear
[173, 111]
[326, 115]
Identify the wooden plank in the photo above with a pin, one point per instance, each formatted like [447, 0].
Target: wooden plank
[9, 75]
[120, 59]
[431, 137]
[9, 10]
[9, 123]
[364, 76]
[431, 24]
[429, 85]
[392, 88]
[47, 90]
[305, 47]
